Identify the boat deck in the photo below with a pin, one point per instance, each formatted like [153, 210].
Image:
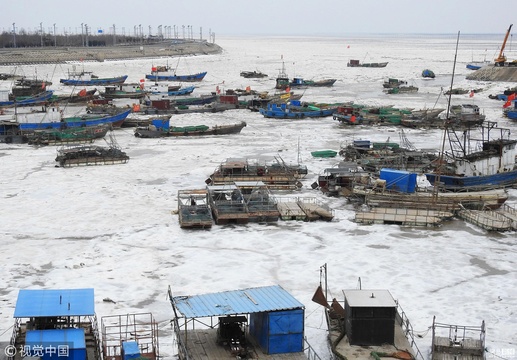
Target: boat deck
[202, 345]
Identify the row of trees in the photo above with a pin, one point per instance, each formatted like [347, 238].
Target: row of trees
[24, 40]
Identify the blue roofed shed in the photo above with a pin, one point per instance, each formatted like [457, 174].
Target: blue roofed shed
[54, 303]
[276, 318]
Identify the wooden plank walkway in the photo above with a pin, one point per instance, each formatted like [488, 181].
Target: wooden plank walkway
[487, 219]
[402, 216]
[290, 210]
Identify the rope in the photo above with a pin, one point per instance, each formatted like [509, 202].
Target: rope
[500, 357]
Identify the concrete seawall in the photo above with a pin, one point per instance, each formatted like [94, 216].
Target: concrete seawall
[25, 56]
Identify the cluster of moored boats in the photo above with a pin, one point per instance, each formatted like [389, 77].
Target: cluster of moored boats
[264, 322]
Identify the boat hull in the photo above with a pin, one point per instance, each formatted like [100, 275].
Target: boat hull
[186, 78]
[94, 82]
[461, 183]
[176, 132]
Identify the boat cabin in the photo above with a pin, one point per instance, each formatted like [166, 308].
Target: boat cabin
[264, 322]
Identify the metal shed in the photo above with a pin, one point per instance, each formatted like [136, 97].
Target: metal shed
[275, 318]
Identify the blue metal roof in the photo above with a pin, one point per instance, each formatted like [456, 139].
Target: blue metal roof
[247, 301]
[63, 302]
[73, 338]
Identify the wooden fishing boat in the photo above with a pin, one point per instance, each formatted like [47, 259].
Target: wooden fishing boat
[253, 74]
[161, 128]
[277, 175]
[392, 82]
[403, 89]
[365, 324]
[84, 78]
[193, 209]
[262, 322]
[357, 63]
[63, 136]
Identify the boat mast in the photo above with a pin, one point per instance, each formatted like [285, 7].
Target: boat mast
[446, 123]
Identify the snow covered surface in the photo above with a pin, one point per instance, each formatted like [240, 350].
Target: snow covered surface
[113, 227]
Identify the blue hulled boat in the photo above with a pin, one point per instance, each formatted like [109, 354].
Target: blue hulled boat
[183, 91]
[173, 77]
[37, 99]
[86, 120]
[296, 110]
[492, 166]
[88, 79]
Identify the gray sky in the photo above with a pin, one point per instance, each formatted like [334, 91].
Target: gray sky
[263, 17]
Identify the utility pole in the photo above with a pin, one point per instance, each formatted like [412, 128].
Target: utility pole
[82, 34]
[41, 33]
[55, 41]
[114, 36]
[14, 34]
[86, 34]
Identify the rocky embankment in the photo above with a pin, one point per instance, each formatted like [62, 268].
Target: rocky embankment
[26, 56]
[495, 73]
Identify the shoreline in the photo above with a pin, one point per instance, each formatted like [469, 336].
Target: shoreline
[60, 55]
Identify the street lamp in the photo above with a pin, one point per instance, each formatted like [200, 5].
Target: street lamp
[86, 33]
[82, 34]
[14, 34]
[55, 42]
[114, 36]
[41, 33]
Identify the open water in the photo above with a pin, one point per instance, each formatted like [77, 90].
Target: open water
[113, 228]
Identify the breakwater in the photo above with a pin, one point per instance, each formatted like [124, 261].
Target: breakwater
[53, 55]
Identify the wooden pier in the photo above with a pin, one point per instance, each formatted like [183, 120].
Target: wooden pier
[306, 209]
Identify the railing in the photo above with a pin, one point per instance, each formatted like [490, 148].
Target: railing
[16, 329]
[407, 329]
[309, 351]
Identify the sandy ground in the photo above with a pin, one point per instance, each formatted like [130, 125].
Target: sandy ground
[64, 54]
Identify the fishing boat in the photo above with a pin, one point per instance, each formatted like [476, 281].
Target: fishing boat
[86, 78]
[253, 74]
[49, 322]
[324, 153]
[89, 155]
[194, 212]
[124, 91]
[82, 96]
[66, 136]
[300, 82]
[261, 322]
[296, 110]
[403, 89]
[392, 82]
[25, 86]
[357, 63]
[160, 73]
[173, 92]
[275, 173]
[478, 158]
[161, 128]
[30, 100]
[56, 121]
[365, 324]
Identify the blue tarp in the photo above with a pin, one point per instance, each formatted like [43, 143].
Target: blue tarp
[62, 344]
[130, 350]
[61, 302]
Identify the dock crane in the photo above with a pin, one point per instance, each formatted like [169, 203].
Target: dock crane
[500, 60]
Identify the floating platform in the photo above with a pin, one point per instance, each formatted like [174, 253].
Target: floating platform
[402, 216]
[306, 209]
[193, 209]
